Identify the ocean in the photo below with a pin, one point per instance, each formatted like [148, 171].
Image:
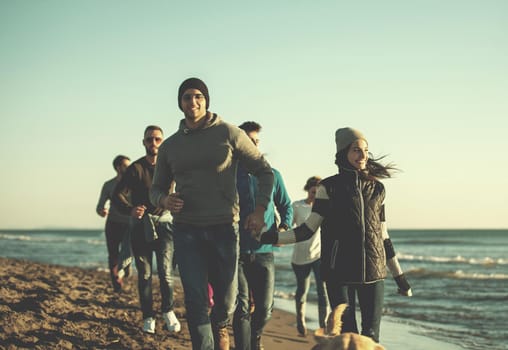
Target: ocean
[459, 278]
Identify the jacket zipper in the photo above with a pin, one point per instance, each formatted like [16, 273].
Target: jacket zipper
[335, 248]
[362, 211]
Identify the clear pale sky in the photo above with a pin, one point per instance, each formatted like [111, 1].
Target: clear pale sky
[425, 81]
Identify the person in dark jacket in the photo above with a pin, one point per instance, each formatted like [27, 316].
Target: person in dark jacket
[116, 223]
[355, 246]
[151, 232]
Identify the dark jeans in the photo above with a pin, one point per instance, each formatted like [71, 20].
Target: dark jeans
[256, 273]
[115, 232]
[207, 255]
[302, 273]
[370, 298]
[143, 255]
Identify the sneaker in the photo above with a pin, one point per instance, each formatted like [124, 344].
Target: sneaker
[172, 323]
[128, 271]
[257, 345]
[149, 325]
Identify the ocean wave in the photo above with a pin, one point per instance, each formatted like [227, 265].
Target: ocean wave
[15, 237]
[437, 241]
[95, 242]
[58, 240]
[283, 295]
[459, 274]
[486, 261]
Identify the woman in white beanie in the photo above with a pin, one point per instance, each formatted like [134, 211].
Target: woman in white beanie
[355, 246]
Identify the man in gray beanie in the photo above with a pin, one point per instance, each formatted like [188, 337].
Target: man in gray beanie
[199, 158]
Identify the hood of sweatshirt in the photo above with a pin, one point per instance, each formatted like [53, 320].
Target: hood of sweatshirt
[211, 120]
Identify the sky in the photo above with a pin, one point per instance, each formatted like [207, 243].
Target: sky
[425, 81]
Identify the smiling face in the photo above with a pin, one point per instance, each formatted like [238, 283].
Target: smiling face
[193, 105]
[358, 154]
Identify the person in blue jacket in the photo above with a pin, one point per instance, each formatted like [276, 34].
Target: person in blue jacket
[256, 268]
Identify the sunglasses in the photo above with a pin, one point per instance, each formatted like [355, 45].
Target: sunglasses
[152, 139]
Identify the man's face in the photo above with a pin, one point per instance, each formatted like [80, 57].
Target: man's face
[193, 105]
[152, 141]
[123, 166]
[254, 137]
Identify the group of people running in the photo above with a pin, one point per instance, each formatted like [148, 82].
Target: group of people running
[207, 198]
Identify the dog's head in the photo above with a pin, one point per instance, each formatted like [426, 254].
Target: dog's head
[330, 338]
[348, 341]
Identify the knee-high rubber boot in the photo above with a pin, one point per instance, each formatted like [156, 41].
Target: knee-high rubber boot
[300, 319]
[322, 313]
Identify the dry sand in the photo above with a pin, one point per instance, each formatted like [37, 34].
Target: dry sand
[55, 307]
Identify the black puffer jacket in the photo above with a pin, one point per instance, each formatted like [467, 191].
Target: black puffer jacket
[352, 248]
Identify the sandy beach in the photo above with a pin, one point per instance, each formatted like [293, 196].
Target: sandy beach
[54, 307]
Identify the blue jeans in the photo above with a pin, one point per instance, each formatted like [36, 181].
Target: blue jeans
[256, 273]
[302, 273]
[207, 255]
[370, 298]
[143, 255]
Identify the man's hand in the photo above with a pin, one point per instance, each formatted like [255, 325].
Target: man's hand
[255, 221]
[103, 212]
[270, 237]
[138, 212]
[172, 202]
[282, 228]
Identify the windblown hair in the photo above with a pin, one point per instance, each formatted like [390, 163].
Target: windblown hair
[374, 169]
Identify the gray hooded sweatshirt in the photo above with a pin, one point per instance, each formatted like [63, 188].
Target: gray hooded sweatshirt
[203, 164]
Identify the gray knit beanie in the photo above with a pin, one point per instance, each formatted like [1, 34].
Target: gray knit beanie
[193, 83]
[346, 136]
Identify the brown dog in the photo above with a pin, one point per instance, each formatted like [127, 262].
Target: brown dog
[331, 339]
[348, 341]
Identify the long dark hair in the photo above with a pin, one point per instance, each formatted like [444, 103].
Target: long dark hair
[374, 170]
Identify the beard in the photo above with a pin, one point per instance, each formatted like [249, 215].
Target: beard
[152, 151]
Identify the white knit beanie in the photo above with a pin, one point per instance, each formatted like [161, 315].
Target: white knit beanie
[346, 136]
